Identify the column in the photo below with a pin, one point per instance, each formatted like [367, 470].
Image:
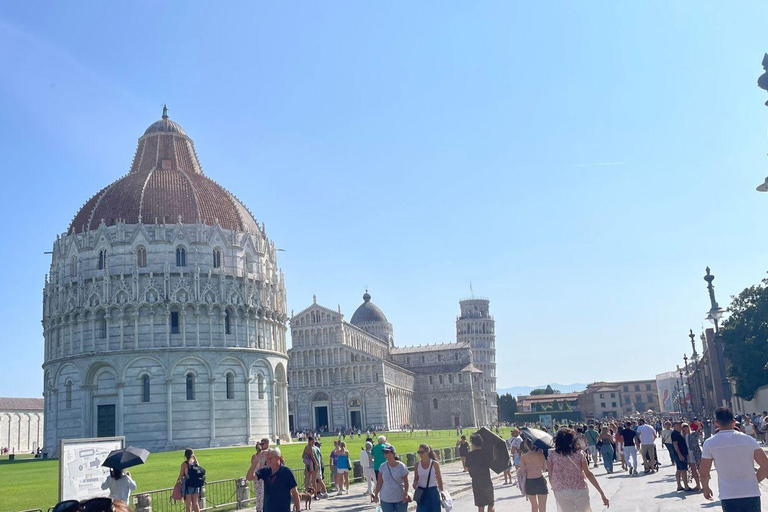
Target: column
[273, 423]
[183, 322]
[248, 438]
[212, 381]
[169, 409]
[29, 431]
[120, 386]
[121, 318]
[197, 328]
[136, 330]
[85, 399]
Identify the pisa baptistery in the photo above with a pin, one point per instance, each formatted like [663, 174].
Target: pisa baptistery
[164, 311]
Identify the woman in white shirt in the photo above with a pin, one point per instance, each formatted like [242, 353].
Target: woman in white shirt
[366, 462]
[120, 485]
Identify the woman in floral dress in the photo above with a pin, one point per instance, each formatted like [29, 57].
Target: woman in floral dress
[258, 461]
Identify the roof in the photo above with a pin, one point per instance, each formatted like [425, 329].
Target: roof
[21, 404]
[367, 313]
[549, 398]
[165, 184]
[419, 349]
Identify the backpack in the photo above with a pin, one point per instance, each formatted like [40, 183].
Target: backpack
[195, 475]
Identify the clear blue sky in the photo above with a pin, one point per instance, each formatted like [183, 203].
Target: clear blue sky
[580, 163]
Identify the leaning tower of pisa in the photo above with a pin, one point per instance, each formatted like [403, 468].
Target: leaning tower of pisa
[476, 326]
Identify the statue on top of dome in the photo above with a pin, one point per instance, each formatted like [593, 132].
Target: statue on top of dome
[165, 111]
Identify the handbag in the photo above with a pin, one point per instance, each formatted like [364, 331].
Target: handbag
[419, 492]
[176, 495]
[446, 502]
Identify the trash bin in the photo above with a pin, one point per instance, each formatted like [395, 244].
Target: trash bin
[11, 456]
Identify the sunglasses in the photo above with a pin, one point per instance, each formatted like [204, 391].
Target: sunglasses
[264, 444]
[91, 505]
[421, 452]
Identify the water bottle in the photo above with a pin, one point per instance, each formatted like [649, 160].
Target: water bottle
[378, 507]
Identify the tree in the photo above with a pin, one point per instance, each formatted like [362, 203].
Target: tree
[555, 405]
[507, 407]
[549, 390]
[539, 391]
[745, 335]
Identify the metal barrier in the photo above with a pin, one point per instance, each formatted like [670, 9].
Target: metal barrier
[236, 493]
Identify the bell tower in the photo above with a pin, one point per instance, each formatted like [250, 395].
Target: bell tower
[476, 326]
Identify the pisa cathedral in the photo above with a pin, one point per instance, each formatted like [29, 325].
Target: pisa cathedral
[350, 374]
[164, 311]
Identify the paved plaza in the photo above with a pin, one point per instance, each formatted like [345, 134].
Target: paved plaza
[641, 493]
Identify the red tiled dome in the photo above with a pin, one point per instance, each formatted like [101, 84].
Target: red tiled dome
[165, 183]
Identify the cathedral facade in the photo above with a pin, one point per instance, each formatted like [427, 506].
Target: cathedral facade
[164, 311]
[351, 375]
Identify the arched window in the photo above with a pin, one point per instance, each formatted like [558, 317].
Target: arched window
[216, 258]
[434, 403]
[102, 327]
[73, 266]
[227, 322]
[261, 386]
[181, 257]
[102, 259]
[230, 386]
[174, 322]
[141, 257]
[190, 386]
[69, 395]
[145, 388]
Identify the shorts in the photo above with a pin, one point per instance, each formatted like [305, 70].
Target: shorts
[536, 486]
[189, 489]
[341, 471]
[682, 465]
[516, 459]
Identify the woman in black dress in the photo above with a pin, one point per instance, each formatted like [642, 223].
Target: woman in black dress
[479, 465]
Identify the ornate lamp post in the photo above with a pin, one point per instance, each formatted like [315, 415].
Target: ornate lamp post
[714, 315]
[683, 402]
[688, 383]
[762, 82]
[698, 371]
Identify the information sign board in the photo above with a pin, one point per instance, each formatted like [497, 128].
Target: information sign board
[80, 471]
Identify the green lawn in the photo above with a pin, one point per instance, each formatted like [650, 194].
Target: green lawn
[33, 483]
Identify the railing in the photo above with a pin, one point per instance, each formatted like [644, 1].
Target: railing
[235, 493]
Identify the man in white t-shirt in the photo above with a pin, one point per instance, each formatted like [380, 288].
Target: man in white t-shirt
[647, 435]
[515, 443]
[734, 455]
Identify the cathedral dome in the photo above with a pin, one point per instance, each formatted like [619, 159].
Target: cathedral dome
[165, 184]
[367, 312]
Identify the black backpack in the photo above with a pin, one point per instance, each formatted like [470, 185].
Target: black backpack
[195, 475]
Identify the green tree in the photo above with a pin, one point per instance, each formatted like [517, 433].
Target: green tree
[507, 407]
[555, 405]
[549, 390]
[539, 391]
[745, 334]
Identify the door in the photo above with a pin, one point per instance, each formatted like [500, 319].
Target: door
[291, 428]
[356, 419]
[456, 422]
[105, 421]
[321, 417]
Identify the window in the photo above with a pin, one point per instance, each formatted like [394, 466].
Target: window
[613, 404]
[638, 398]
[613, 395]
[647, 387]
[440, 378]
[216, 258]
[73, 266]
[181, 257]
[102, 327]
[190, 386]
[102, 259]
[649, 398]
[434, 403]
[230, 386]
[261, 386]
[145, 388]
[407, 359]
[430, 380]
[626, 389]
[174, 322]
[459, 378]
[450, 378]
[602, 395]
[141, 257]
[456, 356]
[227, 322]
[69, 395]
[602, 404]
[439, 357]
[422, 359]
[637, 387]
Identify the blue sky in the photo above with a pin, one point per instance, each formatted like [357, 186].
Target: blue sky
[579, 162]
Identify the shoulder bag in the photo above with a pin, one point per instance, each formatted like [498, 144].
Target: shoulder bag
[419, 492]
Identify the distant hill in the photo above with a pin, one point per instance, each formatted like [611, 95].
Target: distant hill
[524, 390]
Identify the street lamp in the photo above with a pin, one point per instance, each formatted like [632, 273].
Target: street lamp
[714, 315]
[698, 371]
[688, 382]
[684, 404]
[762, 82]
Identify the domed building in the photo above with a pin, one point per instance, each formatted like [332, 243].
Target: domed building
[164, 312]
[351, 375]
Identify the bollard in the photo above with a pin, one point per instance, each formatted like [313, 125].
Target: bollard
[357, 471]
[143, 503]
[446, 454]
[456, 453]
[202, 498]
[410, 459]
[242, 491]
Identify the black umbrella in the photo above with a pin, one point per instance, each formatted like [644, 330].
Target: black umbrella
[538, 437]
[126, 458]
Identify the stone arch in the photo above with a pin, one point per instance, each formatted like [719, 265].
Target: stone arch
[187, 359]
[129, 364]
